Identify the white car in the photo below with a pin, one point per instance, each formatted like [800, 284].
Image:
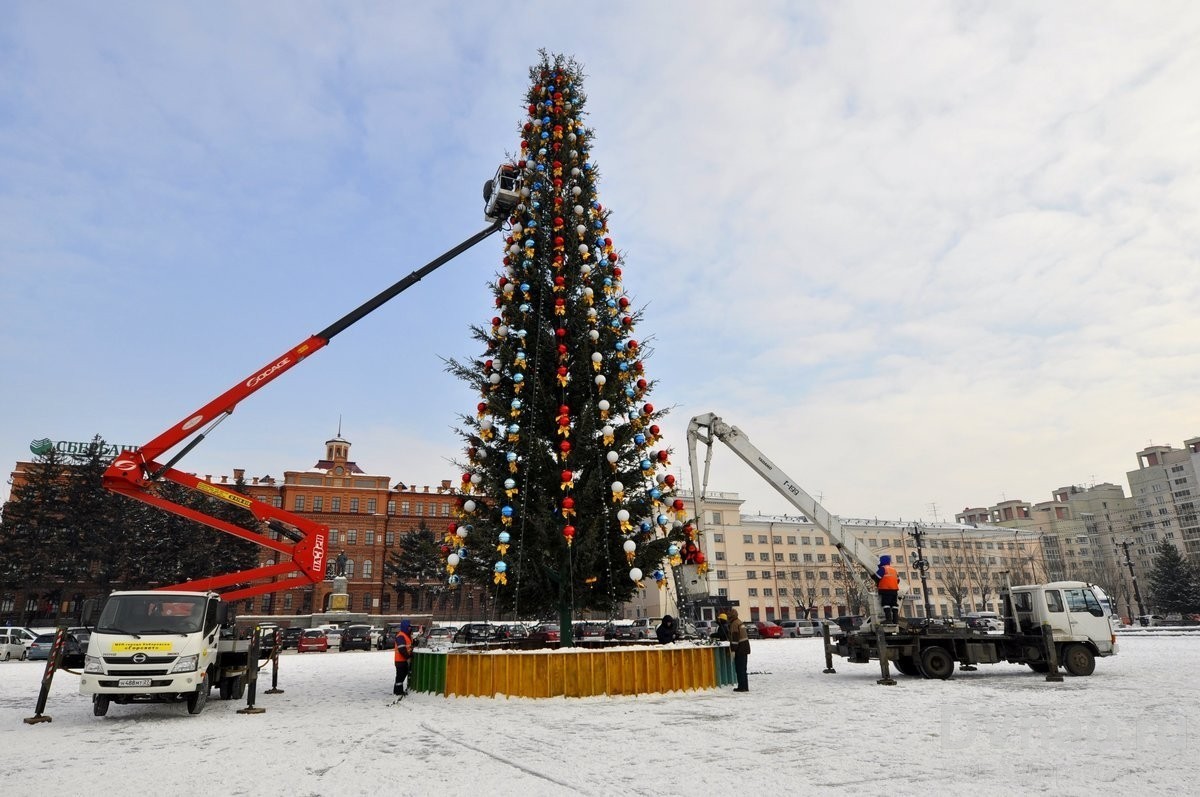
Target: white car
[12, 646]
[793, 629]
[333, 633]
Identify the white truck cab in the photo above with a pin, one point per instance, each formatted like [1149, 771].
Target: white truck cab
[161, 646]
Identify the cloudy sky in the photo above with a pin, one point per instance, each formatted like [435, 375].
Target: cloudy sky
[926, 257]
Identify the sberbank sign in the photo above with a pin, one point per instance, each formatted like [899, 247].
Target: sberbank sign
[73, 449]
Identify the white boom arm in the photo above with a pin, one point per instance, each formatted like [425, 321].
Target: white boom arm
[707, 428]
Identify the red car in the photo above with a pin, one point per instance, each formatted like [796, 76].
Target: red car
[313, 639]
[769, 630]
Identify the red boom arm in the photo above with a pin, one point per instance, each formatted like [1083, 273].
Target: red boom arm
[302, 560]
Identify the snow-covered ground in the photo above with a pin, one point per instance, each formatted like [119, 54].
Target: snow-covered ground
[1003, 730]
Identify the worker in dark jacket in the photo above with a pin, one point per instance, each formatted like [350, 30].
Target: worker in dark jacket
[889, 590]
[722, 632]
[404, 649]
[666, 630]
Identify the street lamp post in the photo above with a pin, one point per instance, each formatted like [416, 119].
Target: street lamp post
[1137, 593]
[922, 566]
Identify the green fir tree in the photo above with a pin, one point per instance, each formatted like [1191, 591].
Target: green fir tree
[566, 504]
[1174, 582]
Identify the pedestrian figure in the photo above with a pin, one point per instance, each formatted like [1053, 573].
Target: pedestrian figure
[739, 646]
[404, 649]
[889, 590]
[666, 630]
[722, 632]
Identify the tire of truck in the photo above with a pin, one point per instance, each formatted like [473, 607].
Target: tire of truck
[196, 701]
[937, 663]
[1078, 659]
[233, 688]
[100, 704]
[908, 665]
[1039, 666]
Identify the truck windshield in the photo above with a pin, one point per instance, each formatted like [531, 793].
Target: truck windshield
[152, 614]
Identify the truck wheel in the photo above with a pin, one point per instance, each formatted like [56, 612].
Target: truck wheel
[197, 700]
[100, 704]
[1078, 660]
[936, 663]
[907, 665]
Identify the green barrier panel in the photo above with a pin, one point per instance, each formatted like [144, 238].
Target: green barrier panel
[723, 663]
[428, 672]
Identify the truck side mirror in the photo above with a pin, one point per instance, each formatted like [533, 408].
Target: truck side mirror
[88, 611]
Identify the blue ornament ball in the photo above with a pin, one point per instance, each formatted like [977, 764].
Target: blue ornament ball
[501, 567]
[639, 438]
[507, 511]
[504, 537]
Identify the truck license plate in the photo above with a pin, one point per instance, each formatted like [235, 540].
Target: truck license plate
[133, 682]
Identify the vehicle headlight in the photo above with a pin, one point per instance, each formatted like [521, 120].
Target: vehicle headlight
[92, 664]
[185, 664]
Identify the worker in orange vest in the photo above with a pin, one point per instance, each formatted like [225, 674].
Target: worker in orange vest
[889, 589]
[404, 649]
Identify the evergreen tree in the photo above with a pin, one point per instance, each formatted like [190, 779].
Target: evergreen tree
[31, 541]
[415, 566]
[566, 504]
[1174, 582]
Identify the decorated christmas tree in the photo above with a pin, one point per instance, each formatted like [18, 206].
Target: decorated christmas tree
[566, 501]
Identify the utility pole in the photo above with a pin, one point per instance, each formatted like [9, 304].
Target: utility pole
[1137, 594]
[922, 566]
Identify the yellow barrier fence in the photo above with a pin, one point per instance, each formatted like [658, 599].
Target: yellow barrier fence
[572, 672]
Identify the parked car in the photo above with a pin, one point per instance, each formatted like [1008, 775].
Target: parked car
[291, 637]
[984, 621]
[441, 635]
[490, 632]
[545, 633]
[645, 627]
[793, 629]
[44, 643]
[588, 630]
[313, 640]
[82, 633]
[25, 635]
[624, 630]
[706, 628]
[514, 631]
[849, 622]
[751, 629]
[769, 630]
[333, 634]
[11, 646]
[355, 637]
[376, 635]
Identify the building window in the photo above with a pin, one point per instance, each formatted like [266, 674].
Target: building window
[367, 568]
[762, 539]
[391, 507]
[752, 592]
[389, 538]
[299, 504]
[779, 574]
[778, 557]
[370, 537]
[287, 601]
[352, 537]
[445, 510]
[277, 501]
[749, 556]
[767, 593]
[720, 556]
[354, 505]
[751, 575]
[371, 504]
[820, 557]
[721, 574]
[766, 574]
[718, 538]
[763, 556]
[748, 539]
[793, 557]
[404, 507]
[349, 568]
[333, 536]
[808, 557]
[318, 504]
[335, 505]
[722, 592]
[791, 540]
[805, 541]
[716, 518]
[420, 508]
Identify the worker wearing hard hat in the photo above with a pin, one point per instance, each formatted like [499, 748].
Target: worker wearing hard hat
[889, 590]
